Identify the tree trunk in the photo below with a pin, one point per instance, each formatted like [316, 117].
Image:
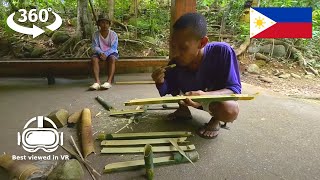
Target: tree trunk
[135, 18]
[84, 30]
[111, 9]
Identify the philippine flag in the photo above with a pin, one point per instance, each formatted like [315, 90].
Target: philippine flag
[280, 22]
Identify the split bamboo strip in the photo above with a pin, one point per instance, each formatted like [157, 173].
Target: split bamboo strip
[140, 141]
[145, 135]
[136, 164]
[176, 99]
[116, 150]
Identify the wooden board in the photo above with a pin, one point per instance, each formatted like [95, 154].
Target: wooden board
[72, 67]
[117, 150]
[176, 99]
[145, 135]
[140, 141]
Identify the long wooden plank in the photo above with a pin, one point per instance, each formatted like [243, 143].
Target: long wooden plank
[141, 141]
[116, 150]
[71, 68]
[136, 164]
[145, 135]
[176, 99]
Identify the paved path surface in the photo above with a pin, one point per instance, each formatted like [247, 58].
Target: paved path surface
[274, 137]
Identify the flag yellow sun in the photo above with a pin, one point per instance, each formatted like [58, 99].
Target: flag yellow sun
[259, 22]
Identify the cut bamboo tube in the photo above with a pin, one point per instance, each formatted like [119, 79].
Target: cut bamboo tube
[148, 161]
[146, 135]
[140, 141]
[131, 165]
[18, 169]
[104, 103]
[116, 150]
[86, 133]
[176, 99]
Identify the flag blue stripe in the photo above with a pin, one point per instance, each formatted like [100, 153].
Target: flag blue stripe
[297, 14]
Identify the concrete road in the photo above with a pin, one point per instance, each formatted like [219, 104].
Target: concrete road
[274, 137]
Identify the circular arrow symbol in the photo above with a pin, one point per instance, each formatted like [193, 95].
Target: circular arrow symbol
[56, 24]
[34, 31]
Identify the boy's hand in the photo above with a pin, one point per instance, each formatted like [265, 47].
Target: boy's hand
[103, 56]
[189, 102]
[158, 75]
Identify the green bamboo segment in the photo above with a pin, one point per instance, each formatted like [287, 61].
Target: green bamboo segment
[104, 103]
[141, 141]
[146, 135]
[117, 150]
[176, 99]
[148, 161]
[137, 164]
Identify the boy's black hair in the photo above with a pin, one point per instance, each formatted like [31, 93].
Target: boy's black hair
[195, 21]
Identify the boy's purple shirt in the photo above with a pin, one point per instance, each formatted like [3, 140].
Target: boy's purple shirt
[219, 69]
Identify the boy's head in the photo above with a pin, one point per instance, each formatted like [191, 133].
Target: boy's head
[103, 22]
[188, 37]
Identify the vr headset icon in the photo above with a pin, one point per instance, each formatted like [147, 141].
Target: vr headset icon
[33, 139]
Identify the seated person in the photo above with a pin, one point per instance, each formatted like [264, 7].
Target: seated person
[202, 69]
[105, 46]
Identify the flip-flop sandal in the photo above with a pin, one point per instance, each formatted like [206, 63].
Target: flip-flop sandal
[204, 127]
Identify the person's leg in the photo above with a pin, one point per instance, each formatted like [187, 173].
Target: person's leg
[226, 111]
[95, 68]
[111, 66]
[182, 113]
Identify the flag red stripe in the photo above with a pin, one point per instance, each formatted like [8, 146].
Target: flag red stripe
[287, 30]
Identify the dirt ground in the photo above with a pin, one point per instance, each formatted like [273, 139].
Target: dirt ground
[291, 86]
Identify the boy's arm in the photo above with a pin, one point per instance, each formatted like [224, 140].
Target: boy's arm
[169, 86]
[114, 45]
[95, 44]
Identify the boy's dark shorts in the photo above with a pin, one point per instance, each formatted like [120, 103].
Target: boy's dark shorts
[116, 55]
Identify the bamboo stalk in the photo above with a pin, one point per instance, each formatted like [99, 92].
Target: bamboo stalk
[146, 135]
[116, 150]
[136, 164]
[148, 161]
[86, 133]
[176, 99]
[140, 141]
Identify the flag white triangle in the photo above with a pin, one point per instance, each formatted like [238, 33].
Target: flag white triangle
[259, 22]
